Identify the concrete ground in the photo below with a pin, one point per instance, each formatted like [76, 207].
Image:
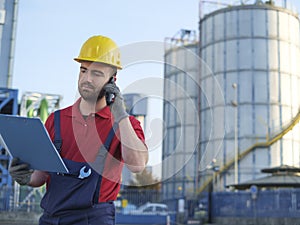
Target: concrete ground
[19, 218]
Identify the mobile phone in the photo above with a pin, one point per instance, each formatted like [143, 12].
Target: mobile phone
[110, 97]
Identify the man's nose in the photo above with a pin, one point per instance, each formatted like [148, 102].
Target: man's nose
[88, 76]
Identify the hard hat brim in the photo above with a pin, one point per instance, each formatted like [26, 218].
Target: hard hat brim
[79, 60]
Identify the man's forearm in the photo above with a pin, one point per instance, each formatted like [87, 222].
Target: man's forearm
[134, 151]
[38, 178]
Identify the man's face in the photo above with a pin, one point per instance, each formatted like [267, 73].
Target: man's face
[92, 78]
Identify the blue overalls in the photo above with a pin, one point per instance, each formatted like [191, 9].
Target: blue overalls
[72, 199]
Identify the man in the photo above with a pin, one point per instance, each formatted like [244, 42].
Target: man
[95, 136]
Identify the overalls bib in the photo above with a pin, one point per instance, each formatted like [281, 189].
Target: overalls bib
[75, 196]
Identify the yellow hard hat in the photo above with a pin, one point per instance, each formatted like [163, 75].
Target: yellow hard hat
[100, 49]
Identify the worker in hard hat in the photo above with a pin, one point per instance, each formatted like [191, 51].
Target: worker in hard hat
[95, 137]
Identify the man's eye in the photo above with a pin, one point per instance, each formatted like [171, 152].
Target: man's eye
[83, 70]
[97, 74]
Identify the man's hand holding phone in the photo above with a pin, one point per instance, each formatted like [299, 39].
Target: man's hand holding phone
[115, 100]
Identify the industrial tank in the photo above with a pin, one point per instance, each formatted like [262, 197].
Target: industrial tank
[8, 21]
[252, 57]
[181, 117]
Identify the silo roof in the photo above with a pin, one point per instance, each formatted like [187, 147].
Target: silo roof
[282, 176]
[274, 181]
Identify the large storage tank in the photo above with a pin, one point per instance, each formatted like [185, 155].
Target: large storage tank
[181, 133]
[252, 54]
[8, 18]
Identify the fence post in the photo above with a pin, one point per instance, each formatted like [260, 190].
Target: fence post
[168, 220]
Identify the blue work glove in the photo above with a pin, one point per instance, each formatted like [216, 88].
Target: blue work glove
[20, 172]
[117, 107]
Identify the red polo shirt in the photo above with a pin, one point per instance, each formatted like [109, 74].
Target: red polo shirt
[82, 139]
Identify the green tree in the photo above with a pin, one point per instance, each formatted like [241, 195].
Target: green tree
[145, 180]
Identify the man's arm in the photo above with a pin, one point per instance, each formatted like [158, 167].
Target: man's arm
[38, 178]
[134, 150]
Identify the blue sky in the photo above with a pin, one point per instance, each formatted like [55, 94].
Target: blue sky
[51, 32]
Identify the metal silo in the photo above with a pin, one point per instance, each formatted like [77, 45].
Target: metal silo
[252, 53]
[181, 112]
[8, 21]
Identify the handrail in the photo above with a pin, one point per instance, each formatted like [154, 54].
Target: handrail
[268, 143]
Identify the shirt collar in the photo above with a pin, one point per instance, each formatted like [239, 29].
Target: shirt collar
[75, 112]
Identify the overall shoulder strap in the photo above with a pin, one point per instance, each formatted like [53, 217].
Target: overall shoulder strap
[57, 135]
[110, 136]
[107, 144]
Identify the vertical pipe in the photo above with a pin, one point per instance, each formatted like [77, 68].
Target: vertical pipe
[235, 104]
[13, 41]
[200, 10]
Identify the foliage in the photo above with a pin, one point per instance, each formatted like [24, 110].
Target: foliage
[145, 180]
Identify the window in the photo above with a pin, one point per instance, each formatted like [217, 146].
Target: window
[160, 209]
[149, 209]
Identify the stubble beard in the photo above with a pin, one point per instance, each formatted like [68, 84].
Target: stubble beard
[91, 96]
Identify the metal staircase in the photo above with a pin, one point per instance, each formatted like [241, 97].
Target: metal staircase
[266, 144]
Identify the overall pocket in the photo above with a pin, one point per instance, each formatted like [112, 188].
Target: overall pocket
[71, 191]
